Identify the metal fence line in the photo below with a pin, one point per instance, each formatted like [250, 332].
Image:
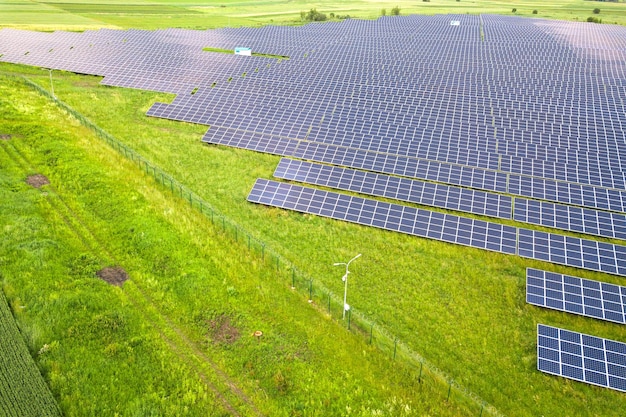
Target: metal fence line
[377, 336]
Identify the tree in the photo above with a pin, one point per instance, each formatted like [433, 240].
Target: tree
[395, 11]
[596, 11]
[383, 12]
[514, 10]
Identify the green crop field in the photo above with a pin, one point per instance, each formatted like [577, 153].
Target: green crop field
[23, 391]
[81, 15]
[176, 338]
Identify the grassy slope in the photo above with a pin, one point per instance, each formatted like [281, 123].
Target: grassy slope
[109, 350]
[462, 308]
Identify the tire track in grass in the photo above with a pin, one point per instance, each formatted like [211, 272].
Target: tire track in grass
[231, 397]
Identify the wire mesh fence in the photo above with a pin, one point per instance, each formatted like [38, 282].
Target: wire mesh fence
[314, 291]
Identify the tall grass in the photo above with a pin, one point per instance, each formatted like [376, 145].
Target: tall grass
[150, 347]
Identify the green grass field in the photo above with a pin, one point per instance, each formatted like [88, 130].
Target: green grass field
[80, 15]
[462, 309]
[177, 339]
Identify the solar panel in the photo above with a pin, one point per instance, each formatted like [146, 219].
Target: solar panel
[575, 295]
[403, 189]
[575, 219]
[572, 251]
[581, 357]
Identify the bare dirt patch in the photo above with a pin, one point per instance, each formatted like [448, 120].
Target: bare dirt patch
[4, 136]
[222, 330]
[114, 275]
[37, 180]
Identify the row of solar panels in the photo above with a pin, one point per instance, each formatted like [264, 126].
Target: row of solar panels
[537, 188]
[555, 248]
[575, 219]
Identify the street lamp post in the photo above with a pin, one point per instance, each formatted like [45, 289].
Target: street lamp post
[345, 280]
[52, 85]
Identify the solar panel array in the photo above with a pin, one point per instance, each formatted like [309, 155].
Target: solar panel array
[394, 217]
[551, 247]
[575, 295]
[403, 189]
[576, 219]
[581, 357]
[506, 117]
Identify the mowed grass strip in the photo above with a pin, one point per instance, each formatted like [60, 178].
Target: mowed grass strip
[103, 354]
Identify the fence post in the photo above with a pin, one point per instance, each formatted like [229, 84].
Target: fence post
[310, 291]
[349, 317]
[419, 378]
[395, 347]
[449, 389]
[371, 332]
[329, 294]
[293, 278]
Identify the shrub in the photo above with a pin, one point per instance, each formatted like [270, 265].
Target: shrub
[514, 10]
[592, 19]
[383, 12]
[314, 16]
[395, 11]
[596, 11]
[535, 11]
